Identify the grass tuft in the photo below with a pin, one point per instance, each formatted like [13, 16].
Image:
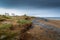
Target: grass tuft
[5, 26]
[23, 21]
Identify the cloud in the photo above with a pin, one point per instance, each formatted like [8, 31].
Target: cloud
[10, 11]
[55, 12]
[30, 3]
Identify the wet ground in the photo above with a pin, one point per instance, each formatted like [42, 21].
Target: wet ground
[50, 27]
[41, 31]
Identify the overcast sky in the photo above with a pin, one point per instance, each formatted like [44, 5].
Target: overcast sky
[41, 8]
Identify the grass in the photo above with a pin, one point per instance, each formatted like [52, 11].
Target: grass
[7, 17]
[6, 33]
[5, 26]
[23, 21]
[3, 17]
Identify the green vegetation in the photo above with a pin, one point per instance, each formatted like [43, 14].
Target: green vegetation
[12, 27]
[4, 17]
[23, 21]
[5, 26]
[7, 35]
[7, 17]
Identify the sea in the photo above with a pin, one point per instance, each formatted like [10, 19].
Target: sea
[53, 18]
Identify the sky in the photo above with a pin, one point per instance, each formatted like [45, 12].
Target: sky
[38, 8]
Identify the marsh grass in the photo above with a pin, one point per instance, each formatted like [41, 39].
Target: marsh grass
[13, 30]
[5, 26]
[3, 17]
[6, 33]
[23, 21]
[7, 17]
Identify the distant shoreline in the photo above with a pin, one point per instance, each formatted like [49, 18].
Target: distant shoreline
[53, 18]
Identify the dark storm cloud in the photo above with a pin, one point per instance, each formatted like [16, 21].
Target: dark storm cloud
[30, 3]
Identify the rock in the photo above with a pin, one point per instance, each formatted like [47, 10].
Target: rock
[3, 36]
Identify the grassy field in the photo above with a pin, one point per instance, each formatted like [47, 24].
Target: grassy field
[12, 27]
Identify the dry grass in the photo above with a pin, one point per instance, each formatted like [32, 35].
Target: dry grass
[17, 28]
[10, 29]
